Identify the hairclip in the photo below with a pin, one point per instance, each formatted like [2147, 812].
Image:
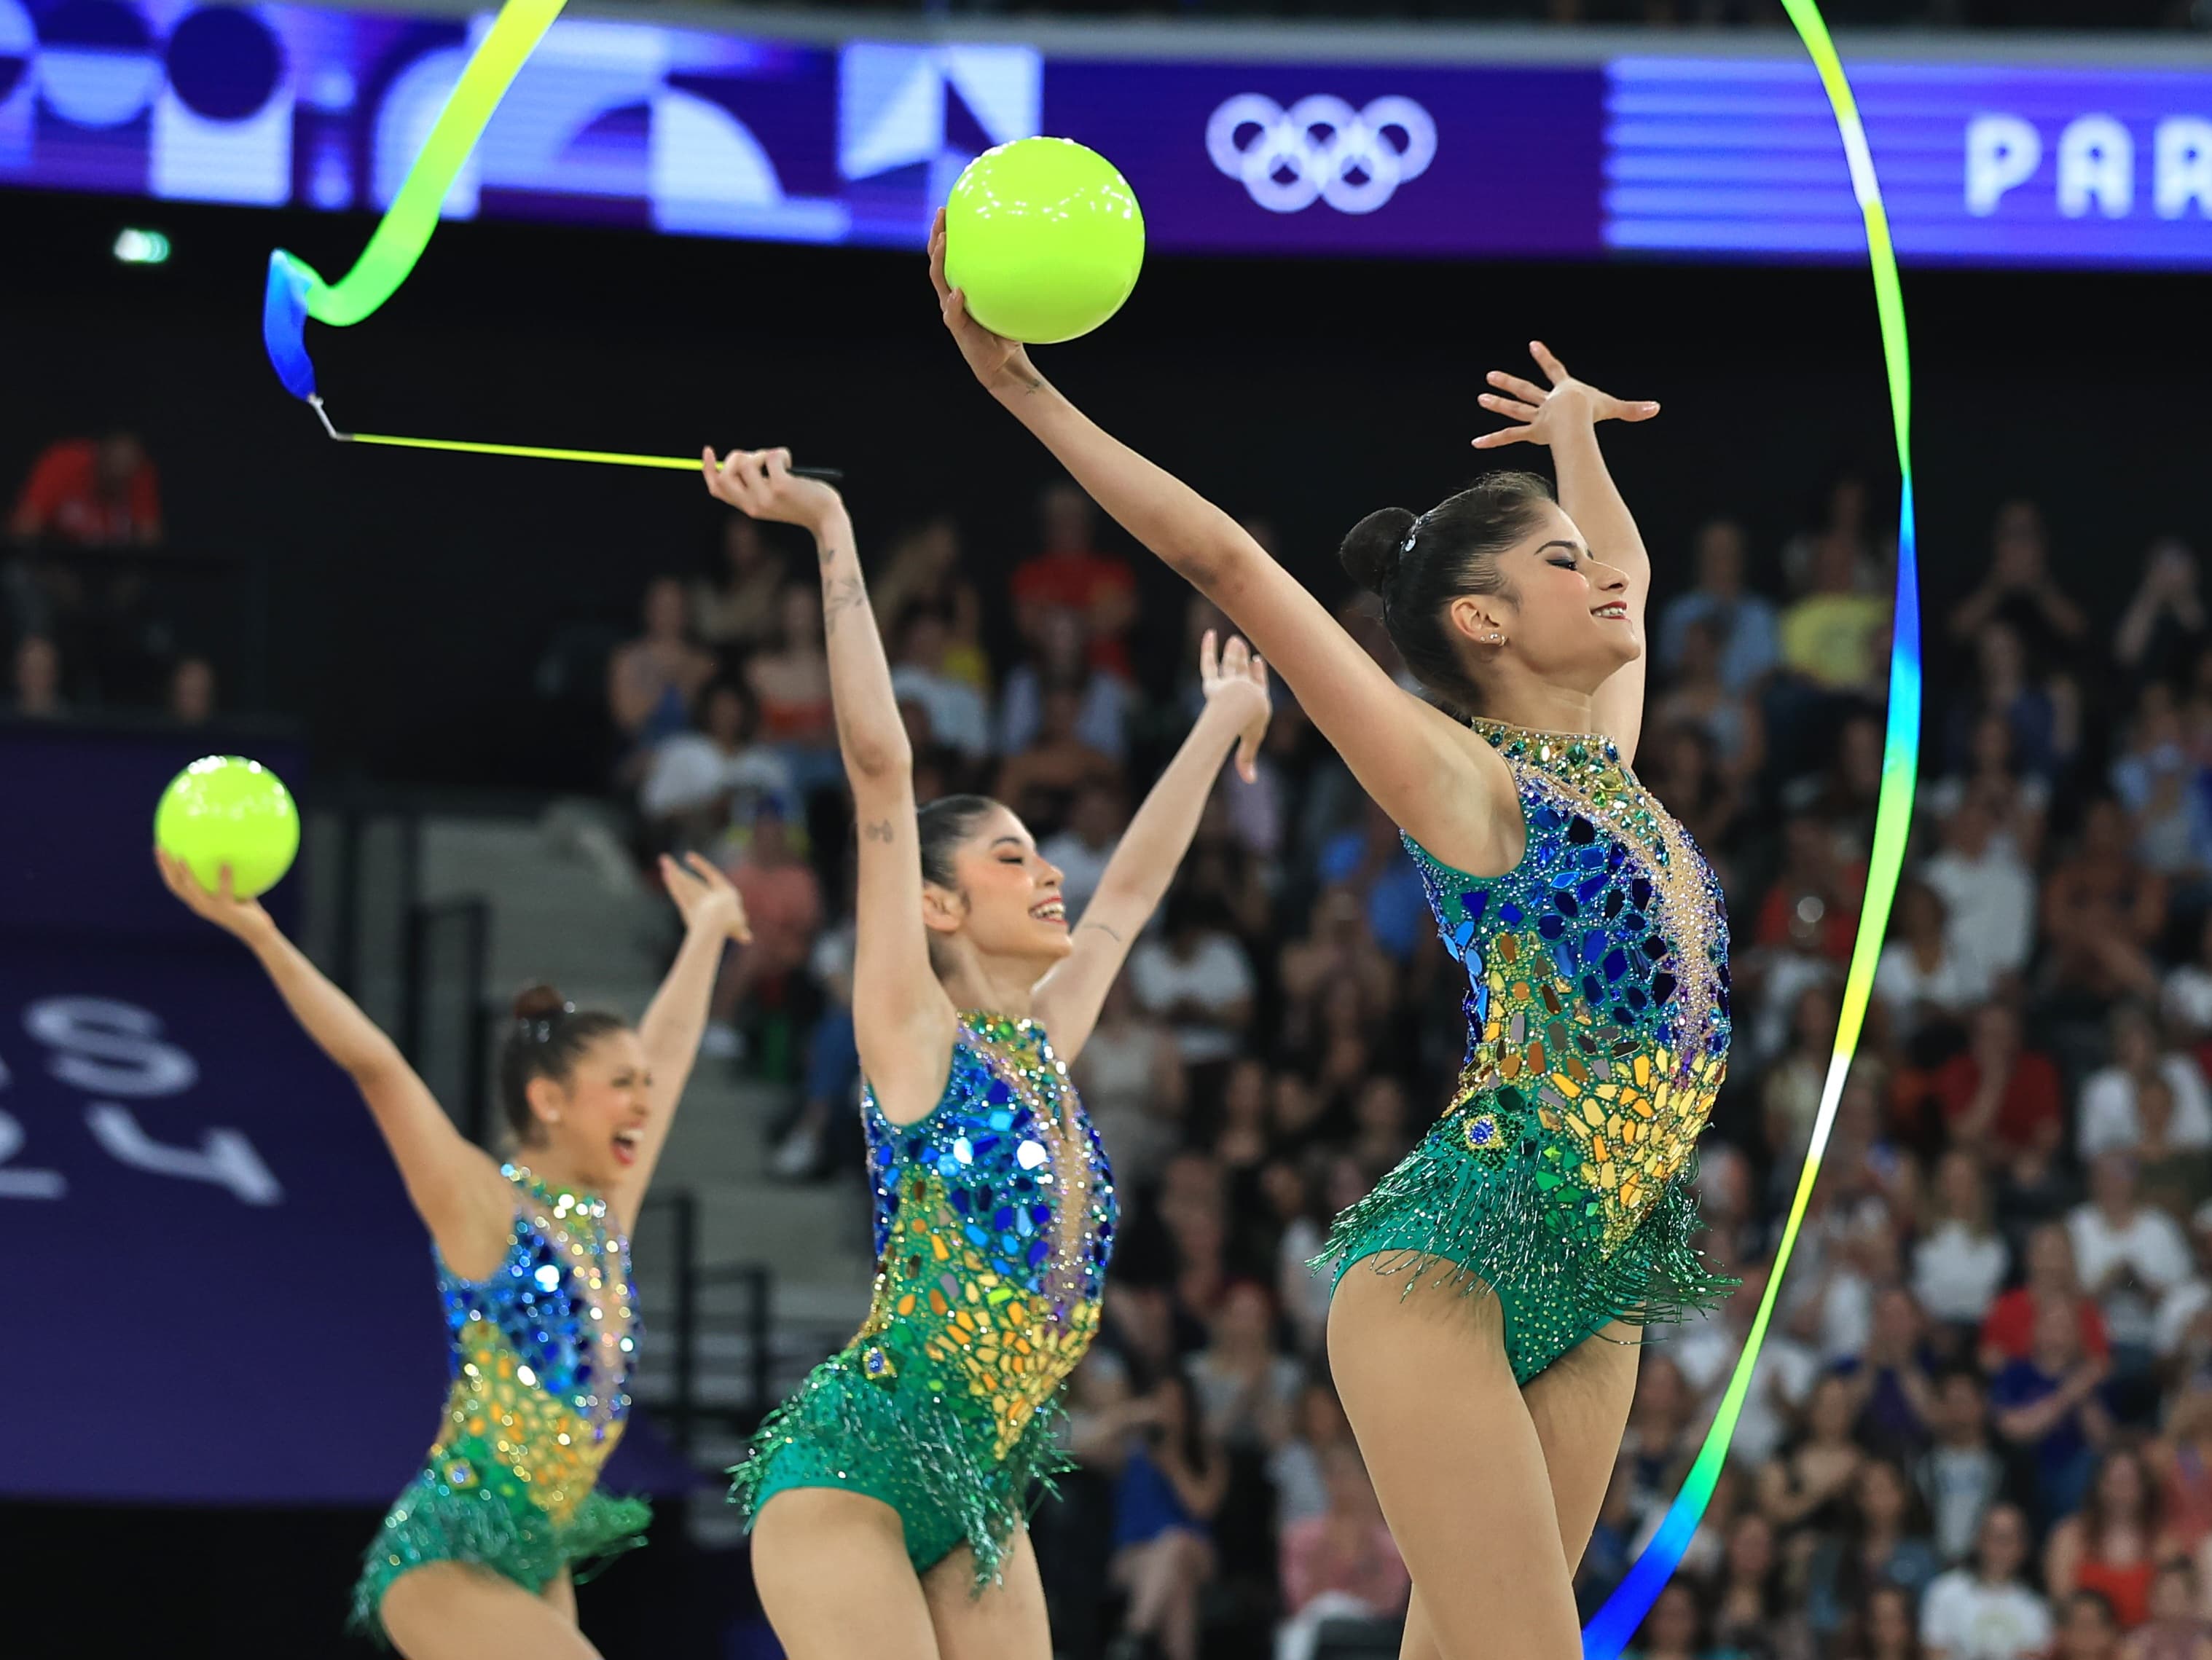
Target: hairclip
[538, 1028]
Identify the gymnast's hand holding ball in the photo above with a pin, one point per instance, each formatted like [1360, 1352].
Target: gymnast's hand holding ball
[1002, 365]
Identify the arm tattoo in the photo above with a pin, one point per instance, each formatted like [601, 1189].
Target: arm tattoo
[1101, 928]
[843, 594]
[880, 831]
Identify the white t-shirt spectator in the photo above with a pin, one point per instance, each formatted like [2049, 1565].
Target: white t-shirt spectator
[959, 715]
[2152, 1243]
[690, 770]
[1956, 984]
[2108, 1109]
[1956, 1272]
[1958, 1485]
[1990, 906]
[1963, 1619]
[1782, 1380]
[1216, 977]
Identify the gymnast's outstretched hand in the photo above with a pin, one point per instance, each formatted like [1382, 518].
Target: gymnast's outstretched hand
[1002, 365]
[1541, 410]
[220, 905]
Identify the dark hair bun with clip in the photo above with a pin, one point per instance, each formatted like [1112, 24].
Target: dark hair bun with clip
[1371, 550]
[538, 1002]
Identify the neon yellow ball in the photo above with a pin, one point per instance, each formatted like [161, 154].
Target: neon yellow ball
[227, 810]
[1044, 237]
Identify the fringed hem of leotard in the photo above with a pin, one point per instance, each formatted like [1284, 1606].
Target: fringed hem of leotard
[913, 1442]
[1511, 1227]
[519, 1541]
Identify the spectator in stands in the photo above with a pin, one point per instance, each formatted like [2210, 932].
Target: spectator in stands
[1806, 1487]
[1790, 1093]
[2016, 801]
[1749, 1601]
[2020, 591]
[653, 680]
[1986, 1612]
[2103, 911]
[1172, 1482]
[1680, 766]
[2129, 1253]
[1892, 1379]
[1883, 1543]
[2114, 1544]
[959, 714]
[696, 782]
[2000, 1098]
[1371, 861]
[1675, 1627]
[2091, 1630]
[38, 680]
[789, 679]
[1927, 982]
[2049, 1407]
[1131, 1074]
[734, 610]
[2177, 1628]
[192, 692]
[1883, 1629]
[1813, 889]
[1701, 698]
[1960, 1261]
[2042, 717]
[1843, 519]
[1195, 975]
[923, 571]
[2181, 1464]
[826, 1135]
[1959, 1475]
[1296, 1468]
[2051, 1281]
[2163, 786]
[91, 493]
[1042, 781]
[1988, 892]
[2163, 628]
[783, 898]
[1058, 656]
[1247, 1387]
[2111, 1118]
[1831, 638]
[1741, 625]
[1342, 1563]
[1072, 574]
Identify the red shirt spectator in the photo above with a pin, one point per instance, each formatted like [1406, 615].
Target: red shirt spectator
[1069, 576]
[2009, 1329]
[96, 494]
[2021, 1113]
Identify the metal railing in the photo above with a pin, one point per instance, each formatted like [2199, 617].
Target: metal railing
[692, 1300]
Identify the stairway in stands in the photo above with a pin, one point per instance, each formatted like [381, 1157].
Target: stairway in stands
[564, 910]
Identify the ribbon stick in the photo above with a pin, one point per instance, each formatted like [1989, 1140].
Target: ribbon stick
[295, 291]
[1610, 1627]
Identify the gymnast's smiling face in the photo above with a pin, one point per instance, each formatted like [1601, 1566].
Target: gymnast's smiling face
[1003, 901]
[1564, 613]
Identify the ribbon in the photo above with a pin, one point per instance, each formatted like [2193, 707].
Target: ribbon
[1610, 1627]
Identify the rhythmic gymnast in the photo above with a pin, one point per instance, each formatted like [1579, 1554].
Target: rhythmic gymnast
[888, 1496]
[479, 1556]
[1556, 1183]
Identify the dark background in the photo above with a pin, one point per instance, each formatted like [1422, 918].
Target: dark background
[1306, 392]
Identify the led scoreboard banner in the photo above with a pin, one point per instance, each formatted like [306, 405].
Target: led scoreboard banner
[708, 133]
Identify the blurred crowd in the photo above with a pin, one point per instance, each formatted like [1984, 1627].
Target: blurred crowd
[84, 625]
[1981, 1428]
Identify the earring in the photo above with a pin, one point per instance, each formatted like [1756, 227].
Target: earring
[553, 1117]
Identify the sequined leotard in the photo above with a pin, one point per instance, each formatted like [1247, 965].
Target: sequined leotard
[994, 1218]
[541, 1351]
[1597, 1018]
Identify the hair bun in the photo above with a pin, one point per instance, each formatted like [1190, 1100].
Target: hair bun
[539, 1003]
[1371, 550]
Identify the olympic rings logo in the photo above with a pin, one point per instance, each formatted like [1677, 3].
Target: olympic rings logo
[1320, 149]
